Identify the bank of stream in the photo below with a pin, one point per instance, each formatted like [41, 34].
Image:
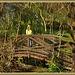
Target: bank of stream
[29, 68]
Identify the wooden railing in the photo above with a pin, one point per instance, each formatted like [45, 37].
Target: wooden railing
[41, 48]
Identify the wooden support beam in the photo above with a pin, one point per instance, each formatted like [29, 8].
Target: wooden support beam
[65, 57]
[43, 38]
[36, 41]
[31, 53]
[69, 62]
[33, 56]
[36, 47]
[50, 37]
[73, 62]
[28, 42]
[33, 50]
[21, 40]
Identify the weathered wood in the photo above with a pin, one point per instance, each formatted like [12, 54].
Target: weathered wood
[40, 36]
[33, 56]
[73, 63]
[64, 55]
[63, 60]
[31, 53]
[28, 49]
[67, 64]
[32, 48]
[56, 36]
[43, 36]
[36, 41]
[62, 46]
[28, 42]
[41, 52]
[42, 41]
[34, 51]
[38, 47]
[21, 40]
[68, 68]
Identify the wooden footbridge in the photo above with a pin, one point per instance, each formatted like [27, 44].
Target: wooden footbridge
[43, 47]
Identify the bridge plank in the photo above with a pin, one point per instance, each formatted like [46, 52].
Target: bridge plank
[28, 42]
[33, 56]
[39, 52]
[34, 50]
[31, 53]
[36, 47]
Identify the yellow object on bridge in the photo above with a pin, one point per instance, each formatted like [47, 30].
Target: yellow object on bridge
[28, 32]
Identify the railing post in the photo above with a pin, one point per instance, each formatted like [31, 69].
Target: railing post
[28, 41]
[43, 38]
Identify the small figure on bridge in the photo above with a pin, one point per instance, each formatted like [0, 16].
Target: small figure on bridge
[29, 32]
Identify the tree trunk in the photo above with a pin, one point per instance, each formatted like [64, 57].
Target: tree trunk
[42, 19]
